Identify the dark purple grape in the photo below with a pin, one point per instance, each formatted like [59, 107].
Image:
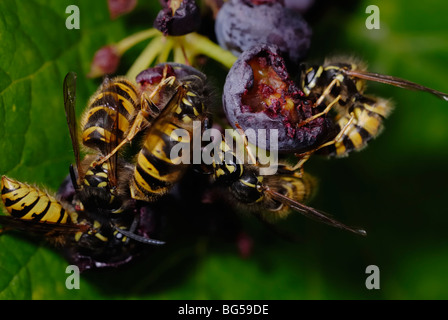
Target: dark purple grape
[299, 5]
[154, 75]
[241, 24]
[178, 17]
[260, 94]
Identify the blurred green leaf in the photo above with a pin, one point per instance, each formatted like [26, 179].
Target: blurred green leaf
[395, 188]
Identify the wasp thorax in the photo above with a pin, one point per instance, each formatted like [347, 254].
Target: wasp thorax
[248, 189]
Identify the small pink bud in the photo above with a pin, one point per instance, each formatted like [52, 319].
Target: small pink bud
[245, 245]
[105, 61]
[120, 7]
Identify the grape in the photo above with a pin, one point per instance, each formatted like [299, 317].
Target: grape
[154, 75]
[259, 93]
[178, 18]
[299, 5]
[241, 24]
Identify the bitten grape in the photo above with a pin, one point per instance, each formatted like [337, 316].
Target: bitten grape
[259, 93]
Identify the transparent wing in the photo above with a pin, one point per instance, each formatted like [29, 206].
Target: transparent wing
[394, 81]
[32, 226]
[112, 129]
[69, 89]
[312, 213]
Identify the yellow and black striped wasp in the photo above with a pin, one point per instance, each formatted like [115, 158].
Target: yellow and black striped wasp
[358, 116]
[89, 217]
[155, 170]
[271, 196]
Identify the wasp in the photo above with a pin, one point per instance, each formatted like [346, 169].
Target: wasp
[273, 196]
[359, 116]
[155, 171]
[89, 217]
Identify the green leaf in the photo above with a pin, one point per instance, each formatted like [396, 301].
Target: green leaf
[395, 188]
[37, 51]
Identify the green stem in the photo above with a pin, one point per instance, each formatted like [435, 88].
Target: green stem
[202, 45]
[132, 40]
[178, 54]
[165, 52]
[147, 56]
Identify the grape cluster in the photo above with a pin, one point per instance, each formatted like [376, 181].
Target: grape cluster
[262, 43]
[242, 24]
[178, 18]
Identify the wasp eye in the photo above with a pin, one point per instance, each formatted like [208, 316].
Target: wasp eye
[310, 77]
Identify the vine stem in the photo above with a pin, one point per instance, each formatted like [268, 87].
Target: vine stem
[132, 40]
[199, 44]
[148, 55]
[184, 48]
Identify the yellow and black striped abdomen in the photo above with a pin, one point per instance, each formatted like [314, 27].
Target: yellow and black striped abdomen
[157, 169]
[369, 114]
[30, 203]
[298, 188]
[109, 114]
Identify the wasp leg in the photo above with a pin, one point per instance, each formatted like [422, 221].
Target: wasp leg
[148, 107]
[306, 155]
[138, 125]
[327, 109]
[148, 110]
[327, 91]
[246, 144]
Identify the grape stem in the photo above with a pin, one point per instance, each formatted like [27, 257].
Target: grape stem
[128, 42]
[184, 50]
[147, 57]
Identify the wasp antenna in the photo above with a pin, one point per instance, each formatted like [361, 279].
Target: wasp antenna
[138, 238]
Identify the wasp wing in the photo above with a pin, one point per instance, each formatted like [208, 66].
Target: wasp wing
[394, 81]
[112, 132]
[312, 213]
[33, 226]
[69, 90]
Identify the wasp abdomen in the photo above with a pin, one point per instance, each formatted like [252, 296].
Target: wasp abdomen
[368, 115]
[155, 171]
[111, 108]
[30, 203]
